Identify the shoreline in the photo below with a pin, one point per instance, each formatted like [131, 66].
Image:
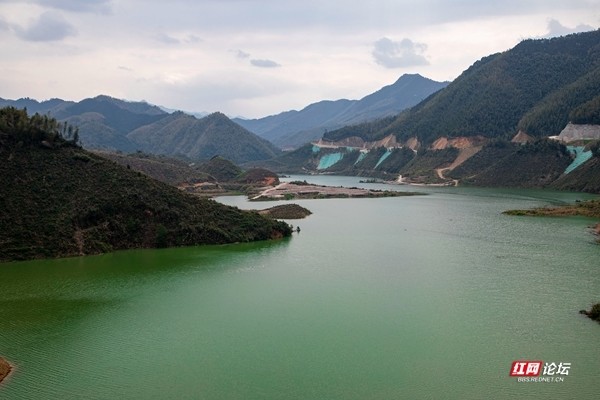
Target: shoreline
[5, 369]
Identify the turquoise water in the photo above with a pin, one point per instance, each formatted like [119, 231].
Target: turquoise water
[581, 157]
[407, 297]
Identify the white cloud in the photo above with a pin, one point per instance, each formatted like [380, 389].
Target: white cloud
[555, 28]
[50, 26]
[402, 54]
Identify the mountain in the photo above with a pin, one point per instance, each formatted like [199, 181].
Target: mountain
[294, 128]
[463, 132]
[533, 87]
[106, 123]
[60, 200]
[180, 134]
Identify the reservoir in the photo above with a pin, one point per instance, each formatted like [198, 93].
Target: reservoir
[419, 297]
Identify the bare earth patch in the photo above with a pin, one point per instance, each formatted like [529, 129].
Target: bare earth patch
[301, 190]
[5, 369]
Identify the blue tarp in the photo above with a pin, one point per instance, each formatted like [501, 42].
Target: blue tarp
[329, 159]
[581, 157]
[383, 157]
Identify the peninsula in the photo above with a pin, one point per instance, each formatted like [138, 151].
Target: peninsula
[304, 190]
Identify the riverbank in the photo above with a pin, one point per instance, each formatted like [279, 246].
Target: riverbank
[5, 369]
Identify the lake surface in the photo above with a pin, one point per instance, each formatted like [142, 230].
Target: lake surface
[421, 297]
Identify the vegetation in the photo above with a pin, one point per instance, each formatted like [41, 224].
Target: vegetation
[286, 211]
[221, 169]
[590, 208]
[534, 165]
[116, 125]
[162, 168]
[422, 168]
[594, 312]
[537, 85]
[180, 134]
[61, 200]
[585, 178]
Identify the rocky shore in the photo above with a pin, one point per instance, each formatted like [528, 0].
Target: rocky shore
[5, 369]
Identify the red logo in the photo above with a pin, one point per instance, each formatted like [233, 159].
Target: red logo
[526, 368]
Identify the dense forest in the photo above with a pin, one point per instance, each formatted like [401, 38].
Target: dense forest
[60, 200]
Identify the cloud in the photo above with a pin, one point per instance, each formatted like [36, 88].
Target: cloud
[171, 40]
[404, 53]
[94, 6]
[49, 27]
[164, 38]
[264, 63]
[242, 54]
[555, 28]
[4, 26]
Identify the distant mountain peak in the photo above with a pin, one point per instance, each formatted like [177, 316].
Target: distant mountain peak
[294, 128]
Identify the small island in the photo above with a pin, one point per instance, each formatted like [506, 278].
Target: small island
[5, 369]
[305, 190]
[286, 211]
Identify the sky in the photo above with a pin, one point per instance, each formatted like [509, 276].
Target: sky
[255, 58]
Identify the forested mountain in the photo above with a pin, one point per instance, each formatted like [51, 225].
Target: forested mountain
[180, 134]
[60, 200]
[537, 86]
[294, 128]
[107, 123]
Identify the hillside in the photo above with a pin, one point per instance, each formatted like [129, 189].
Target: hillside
[168, 170]
[294, 128]
[106, 123]
[60, 200]
[180, 134]
[534, 87]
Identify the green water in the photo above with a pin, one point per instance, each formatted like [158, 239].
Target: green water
[423, 297]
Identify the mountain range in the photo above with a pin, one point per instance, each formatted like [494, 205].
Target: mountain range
[537, 87]
[107, 123]
[294, 128]
[489, 127]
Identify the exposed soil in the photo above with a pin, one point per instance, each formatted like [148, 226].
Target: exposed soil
[290, 190]
[5, 369]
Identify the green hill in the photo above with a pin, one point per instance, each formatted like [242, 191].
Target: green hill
[180, 134]
[60, 200]
[106, 123]
[162, 168]
[535, 86]
[535, 165]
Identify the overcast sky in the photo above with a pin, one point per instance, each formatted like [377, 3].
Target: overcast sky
[255, 58]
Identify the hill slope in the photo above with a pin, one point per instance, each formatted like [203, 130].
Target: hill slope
[294, 128]
[106, 123]
[506, 91]
[60, 200]
[182, 134]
